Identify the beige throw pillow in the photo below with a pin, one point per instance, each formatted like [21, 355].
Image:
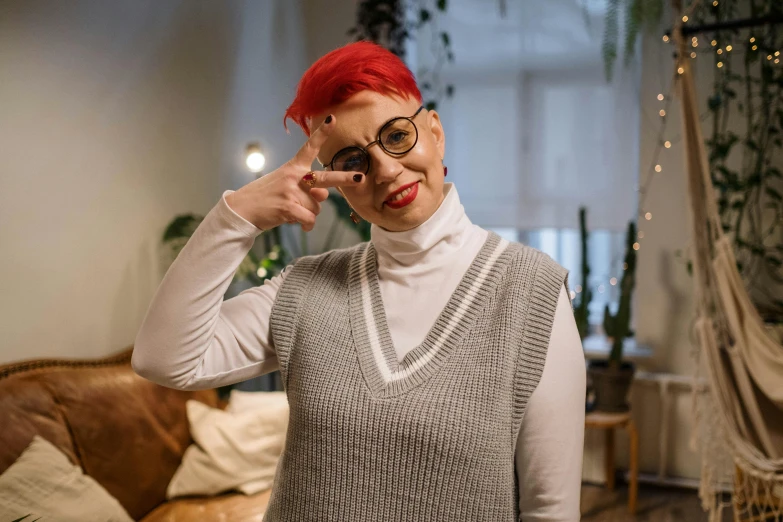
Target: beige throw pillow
[240, 401]
[232, 451]
[43, 483]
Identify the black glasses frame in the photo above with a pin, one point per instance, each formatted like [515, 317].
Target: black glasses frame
[379, 142]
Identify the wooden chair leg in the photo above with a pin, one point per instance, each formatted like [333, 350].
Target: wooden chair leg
[609, 459]
[633, 486]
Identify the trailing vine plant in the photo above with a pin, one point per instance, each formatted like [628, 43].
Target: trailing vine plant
[745, 141]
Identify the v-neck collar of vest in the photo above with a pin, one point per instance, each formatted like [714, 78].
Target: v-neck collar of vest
[384, 376]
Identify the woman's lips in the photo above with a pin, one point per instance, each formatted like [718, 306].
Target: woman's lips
[407, 199]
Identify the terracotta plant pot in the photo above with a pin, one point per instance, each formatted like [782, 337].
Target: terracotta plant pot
[611, 385]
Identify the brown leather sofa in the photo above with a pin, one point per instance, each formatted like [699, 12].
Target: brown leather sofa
[127, 433]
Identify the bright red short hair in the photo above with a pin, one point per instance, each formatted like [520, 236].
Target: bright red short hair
[347, 70]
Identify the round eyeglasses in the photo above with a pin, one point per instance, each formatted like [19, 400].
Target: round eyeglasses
[397, 137]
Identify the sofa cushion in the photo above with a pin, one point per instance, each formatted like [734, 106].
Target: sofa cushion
[232, 450]
[44, 484]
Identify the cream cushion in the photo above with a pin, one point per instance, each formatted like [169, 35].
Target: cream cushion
[43, 483]
[233, 450]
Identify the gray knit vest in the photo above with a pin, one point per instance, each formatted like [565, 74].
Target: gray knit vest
[431, 438]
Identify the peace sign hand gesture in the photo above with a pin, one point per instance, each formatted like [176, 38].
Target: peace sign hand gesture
[284, 196]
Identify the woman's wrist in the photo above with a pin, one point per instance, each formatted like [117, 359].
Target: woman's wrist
[234, 202]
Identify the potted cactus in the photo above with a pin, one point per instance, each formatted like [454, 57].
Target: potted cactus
[612, 377]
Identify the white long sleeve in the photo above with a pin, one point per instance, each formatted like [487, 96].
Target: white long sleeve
[551, 440]
[192, 339]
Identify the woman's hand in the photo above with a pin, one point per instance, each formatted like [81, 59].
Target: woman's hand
[282, 196]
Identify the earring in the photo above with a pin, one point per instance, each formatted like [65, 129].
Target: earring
[445, 169]
[354, 216]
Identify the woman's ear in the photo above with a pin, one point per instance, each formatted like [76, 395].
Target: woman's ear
[437, 132]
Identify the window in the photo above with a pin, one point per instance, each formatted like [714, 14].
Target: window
[534, 132]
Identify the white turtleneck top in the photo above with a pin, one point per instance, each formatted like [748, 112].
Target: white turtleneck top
[192, 339]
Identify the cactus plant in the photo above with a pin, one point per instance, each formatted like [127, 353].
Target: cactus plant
[581, 311]
[618, 326]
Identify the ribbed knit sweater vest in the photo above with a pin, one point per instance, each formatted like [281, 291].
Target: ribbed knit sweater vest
[429, 439]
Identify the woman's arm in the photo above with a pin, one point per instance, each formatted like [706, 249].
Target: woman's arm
[551, 439]
[190, 337]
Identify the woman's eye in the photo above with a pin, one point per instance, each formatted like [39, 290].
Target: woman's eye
[352, 161]
[396, 137]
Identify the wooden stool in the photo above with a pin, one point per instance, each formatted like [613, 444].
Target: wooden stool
[608, 422]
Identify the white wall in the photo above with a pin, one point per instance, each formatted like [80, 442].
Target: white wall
[116, 116]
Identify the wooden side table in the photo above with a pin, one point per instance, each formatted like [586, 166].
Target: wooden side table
[609, 422]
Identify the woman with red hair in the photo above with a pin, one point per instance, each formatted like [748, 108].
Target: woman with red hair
[433, 373]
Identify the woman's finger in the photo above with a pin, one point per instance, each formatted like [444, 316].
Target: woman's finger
[301, 215]
[319, 194]
[332, 178]
[312, 146]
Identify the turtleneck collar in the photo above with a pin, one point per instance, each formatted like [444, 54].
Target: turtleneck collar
[441, 235]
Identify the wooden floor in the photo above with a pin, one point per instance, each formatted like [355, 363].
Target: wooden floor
[656, 504]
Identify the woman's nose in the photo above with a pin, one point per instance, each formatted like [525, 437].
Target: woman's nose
[384, 167]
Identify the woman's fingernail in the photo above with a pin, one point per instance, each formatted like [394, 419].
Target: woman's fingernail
[307, 177]
[328, 119]
[357, 177]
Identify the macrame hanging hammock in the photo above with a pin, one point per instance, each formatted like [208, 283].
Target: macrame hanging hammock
[739, 419]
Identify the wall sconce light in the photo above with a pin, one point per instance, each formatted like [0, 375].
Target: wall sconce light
[254, 157]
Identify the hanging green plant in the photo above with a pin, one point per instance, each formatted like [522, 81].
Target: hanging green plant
[638, 15]
[387, 23]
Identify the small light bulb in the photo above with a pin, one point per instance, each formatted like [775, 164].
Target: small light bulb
[777, 60]
[578, 289]
[720, 64]
[636, 246]
[693, 55]
[665, 38]
[777, 53]
[648, 216]
[641, 234]
[714, 43]
[662, 112]
[752, 39]
[255, 161]
[715, 3]
[658, 168]
[274, 255]
[254, 158]
[684, 18]
[660, 97]
[667, 144]
[261, 272]
[720, 51]
[769, 57]
[680, 70]
[755, 47]
[613, 281]
[573, 295]
[729, 48]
